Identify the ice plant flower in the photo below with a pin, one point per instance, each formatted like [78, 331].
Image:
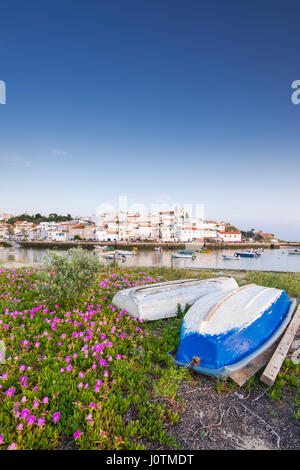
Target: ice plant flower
[40, 422]
[77, 434]
[56, 417]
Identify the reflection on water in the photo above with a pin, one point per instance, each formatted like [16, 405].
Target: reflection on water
[271, 260]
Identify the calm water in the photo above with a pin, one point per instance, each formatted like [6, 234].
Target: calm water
[270, 260]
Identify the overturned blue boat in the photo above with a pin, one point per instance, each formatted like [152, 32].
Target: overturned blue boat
[223, 331]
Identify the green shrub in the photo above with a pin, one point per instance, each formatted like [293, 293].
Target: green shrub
[66, 275]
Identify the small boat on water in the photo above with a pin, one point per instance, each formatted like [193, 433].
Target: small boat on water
[161, 300]
[294, 252]
[247, 254]
[158, 248]
[108, 255]
[232, 258]
[183, 255]
[125, 253]
[223, 331]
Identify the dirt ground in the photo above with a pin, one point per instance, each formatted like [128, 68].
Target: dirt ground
[237, 420]
[244, 418]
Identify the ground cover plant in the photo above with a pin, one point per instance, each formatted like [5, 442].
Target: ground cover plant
[81, 373]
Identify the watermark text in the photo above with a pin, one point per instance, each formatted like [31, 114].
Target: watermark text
[296, 94]
[2, 92]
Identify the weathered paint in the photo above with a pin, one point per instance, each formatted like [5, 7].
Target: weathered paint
[238, 327]
[160, 300]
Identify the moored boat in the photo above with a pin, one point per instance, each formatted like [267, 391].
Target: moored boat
[184, 255]
[224, 331]
[294, 252]
[161, 300]
[186, 252]
[247, 254]
[232, 258]
[108, 255]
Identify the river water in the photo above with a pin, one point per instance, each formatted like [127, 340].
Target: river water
[270, 260]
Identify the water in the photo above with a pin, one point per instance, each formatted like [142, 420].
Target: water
[270, 260]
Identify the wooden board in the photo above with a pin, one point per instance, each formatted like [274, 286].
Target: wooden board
[270, 373]
[241, 376]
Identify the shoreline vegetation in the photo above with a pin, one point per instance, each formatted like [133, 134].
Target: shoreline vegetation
[80, 373]
[147, 245]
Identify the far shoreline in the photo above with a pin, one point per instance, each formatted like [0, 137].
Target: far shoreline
[147, 245]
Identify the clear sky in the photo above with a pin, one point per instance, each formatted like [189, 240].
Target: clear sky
[178, 101]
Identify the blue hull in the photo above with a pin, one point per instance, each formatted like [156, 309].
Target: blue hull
[226, 371]
[219, 351]
[186, 252]
[245, 255]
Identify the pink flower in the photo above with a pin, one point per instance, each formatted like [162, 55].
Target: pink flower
[36, 403]
[56, 417]
[25, 413]
[10, 392]
[77, 435]
[12, 446]
[40, 422]
[31, 420]
[1, 439]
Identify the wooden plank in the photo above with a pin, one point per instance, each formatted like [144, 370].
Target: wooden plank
[241, 376]
[270, 373]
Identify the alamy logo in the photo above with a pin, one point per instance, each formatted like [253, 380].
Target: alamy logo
[296, 94]
[2, 92]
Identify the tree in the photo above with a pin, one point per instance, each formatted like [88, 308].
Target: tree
[10, 231]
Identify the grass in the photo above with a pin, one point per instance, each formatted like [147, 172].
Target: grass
[86, 373]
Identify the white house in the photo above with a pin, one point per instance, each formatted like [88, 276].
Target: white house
[230, 237]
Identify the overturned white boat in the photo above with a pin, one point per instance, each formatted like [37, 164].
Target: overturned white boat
[160, 300]
[223, 331]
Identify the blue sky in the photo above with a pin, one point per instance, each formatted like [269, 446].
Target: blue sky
[175, 101]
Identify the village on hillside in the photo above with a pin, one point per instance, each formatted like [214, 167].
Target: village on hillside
[165, 226]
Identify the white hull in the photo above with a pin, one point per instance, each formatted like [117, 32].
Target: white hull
[160, 300]
[236, 309]
[179, 255]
